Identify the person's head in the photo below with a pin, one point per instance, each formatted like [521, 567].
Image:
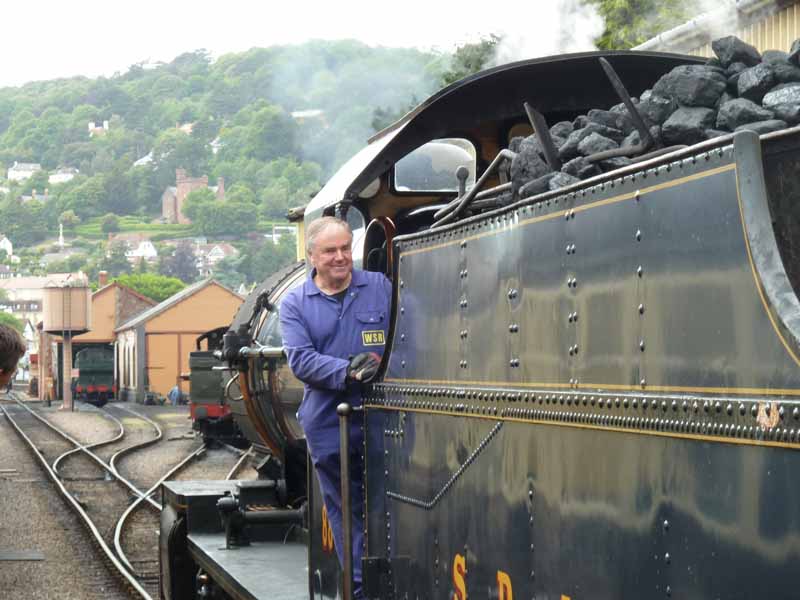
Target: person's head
[12, 348]
[329, 250]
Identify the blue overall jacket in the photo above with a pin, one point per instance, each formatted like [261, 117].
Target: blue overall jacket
[320, 334]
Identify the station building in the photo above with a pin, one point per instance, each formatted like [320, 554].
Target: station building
[152, 349]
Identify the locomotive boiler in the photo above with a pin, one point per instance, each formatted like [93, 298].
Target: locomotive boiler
[589, 389]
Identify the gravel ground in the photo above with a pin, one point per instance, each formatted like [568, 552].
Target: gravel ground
[145, 467]
[71, 568]
[53, 529]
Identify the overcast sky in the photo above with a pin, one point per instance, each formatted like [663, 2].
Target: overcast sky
[47, 39]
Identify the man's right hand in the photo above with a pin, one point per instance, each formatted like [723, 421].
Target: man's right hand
[363, 366]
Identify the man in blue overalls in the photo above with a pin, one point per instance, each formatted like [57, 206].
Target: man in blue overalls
[334, 328]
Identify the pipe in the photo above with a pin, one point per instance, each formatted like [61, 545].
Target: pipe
[443, 216]
[344, 410]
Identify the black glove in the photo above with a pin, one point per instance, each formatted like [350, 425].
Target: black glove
[363, 367]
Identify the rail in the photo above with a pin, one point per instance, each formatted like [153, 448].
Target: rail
[126, 575]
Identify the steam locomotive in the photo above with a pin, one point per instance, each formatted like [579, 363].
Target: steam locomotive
[95, 383]
[590, 392]
[210, 413]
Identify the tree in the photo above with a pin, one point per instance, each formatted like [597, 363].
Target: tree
[470, 58]
[110, 223]
[115, 261]
[69, 219]
[197, 201]
[154, 286]
[269, 258]
[11, 321]
[631, 22]
[173, 150]
[87, 199]
[228, 273]
[240, 192]
[182, 264]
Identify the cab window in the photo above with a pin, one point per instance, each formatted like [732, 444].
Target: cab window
[432, 166]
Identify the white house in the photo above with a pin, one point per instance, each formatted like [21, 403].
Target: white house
[208, 255]
[22, 171]
[62, 175]
[95, 129]
[145, 250]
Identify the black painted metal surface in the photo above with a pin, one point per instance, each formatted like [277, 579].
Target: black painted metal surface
[594, 395]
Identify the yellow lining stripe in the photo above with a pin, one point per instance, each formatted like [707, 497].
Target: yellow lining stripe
[599, 203]
[756, 279]
[599, 387]
[688, 436]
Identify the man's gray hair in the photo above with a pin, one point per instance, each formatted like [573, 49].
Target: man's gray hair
[317, 226]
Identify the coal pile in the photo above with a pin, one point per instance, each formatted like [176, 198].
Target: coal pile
[739, 89]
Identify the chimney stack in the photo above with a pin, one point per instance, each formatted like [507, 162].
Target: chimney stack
[102, 278]
[220, 188]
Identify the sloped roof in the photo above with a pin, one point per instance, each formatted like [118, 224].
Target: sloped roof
[170, 302]
[126, 289]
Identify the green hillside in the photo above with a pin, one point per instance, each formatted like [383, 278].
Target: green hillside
[274, 122]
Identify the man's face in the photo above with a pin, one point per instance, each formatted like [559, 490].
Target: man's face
[331, 254]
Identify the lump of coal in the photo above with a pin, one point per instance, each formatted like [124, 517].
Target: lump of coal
[786, 72]
[782, 94]
[692, 85]
[562, 129]
[569, 149]
[613, 120]
[794, 52]
[656, 109]
[634, 139]
[726, 97]
[561, 180]
[740, 111]
[594, 142]
[774, 56]
[687, 125]
[580, 168]
[527, 164]
[787, 112]
[764, 126]
[731, 49]
[756, 81]
[735, 68]
[537, 186]
[580, 122]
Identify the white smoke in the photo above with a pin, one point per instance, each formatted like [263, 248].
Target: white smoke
[549, 28]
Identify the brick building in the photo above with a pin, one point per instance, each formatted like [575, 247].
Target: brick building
[174, 196]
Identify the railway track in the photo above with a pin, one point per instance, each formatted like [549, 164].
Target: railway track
[120, 518]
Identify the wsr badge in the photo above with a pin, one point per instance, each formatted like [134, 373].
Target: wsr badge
[373, 338]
